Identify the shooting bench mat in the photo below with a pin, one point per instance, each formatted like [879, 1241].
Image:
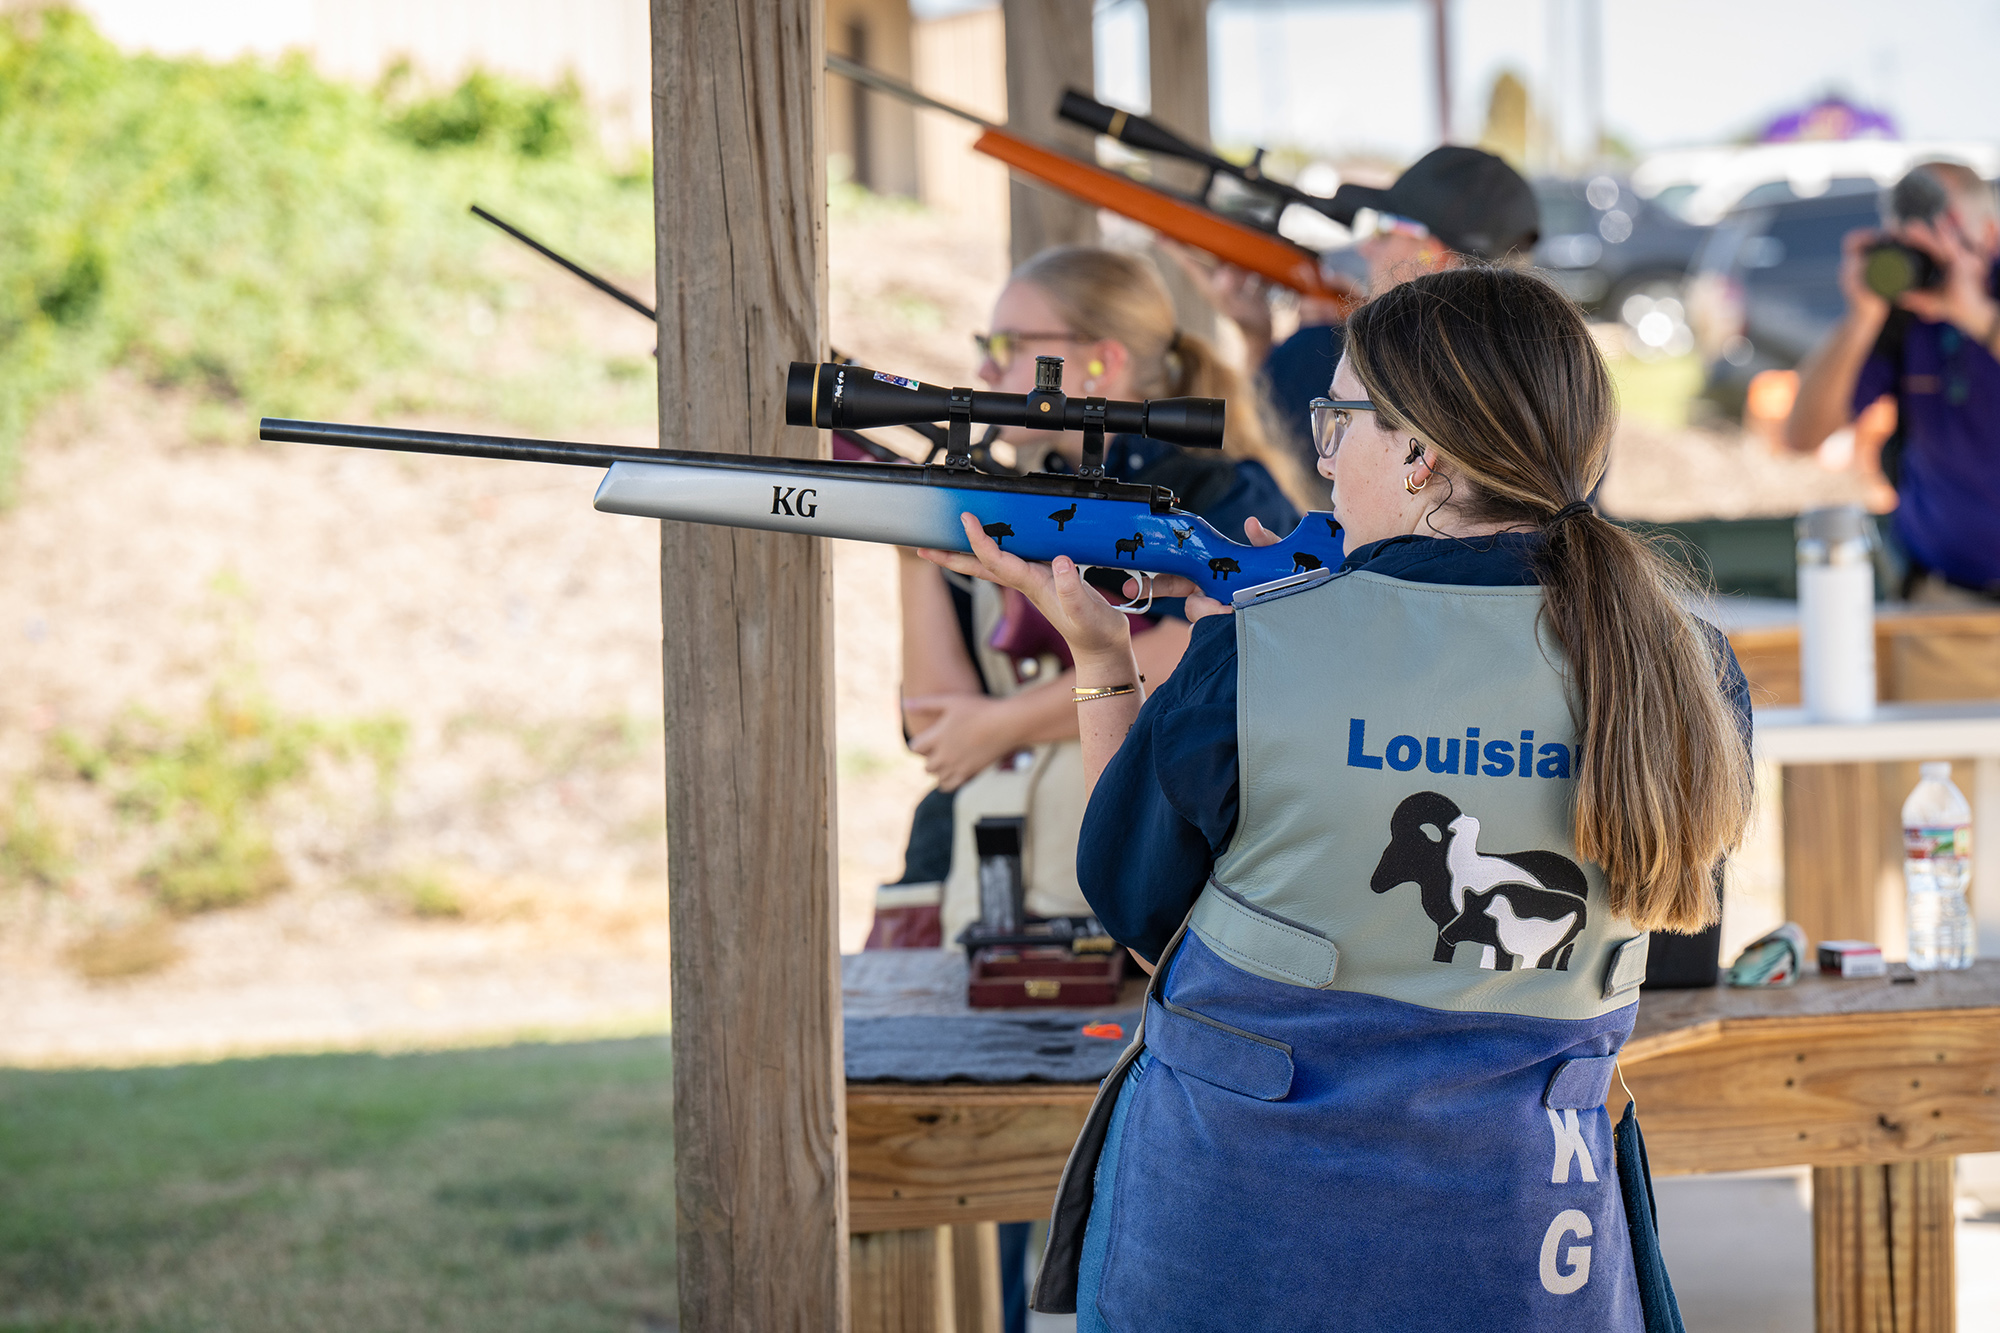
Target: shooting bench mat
[907, 1022]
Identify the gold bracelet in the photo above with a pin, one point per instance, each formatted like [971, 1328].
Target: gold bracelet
[1083, 695]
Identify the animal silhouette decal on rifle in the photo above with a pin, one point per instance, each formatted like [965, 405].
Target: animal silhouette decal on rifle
[1524, 909]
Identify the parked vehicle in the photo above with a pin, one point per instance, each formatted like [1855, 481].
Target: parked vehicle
[1766, 286]
[1782, 172]
[1620, 257]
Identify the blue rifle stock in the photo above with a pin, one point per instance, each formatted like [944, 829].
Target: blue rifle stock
[1093, 519]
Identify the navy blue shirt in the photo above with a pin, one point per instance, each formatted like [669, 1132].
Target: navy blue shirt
[1165, 807]
[1947, 390]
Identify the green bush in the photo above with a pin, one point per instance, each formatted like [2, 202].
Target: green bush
[31, 848]
[262, 236]
[211, 787]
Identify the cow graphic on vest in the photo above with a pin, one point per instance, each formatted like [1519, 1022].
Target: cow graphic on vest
[1525, 909]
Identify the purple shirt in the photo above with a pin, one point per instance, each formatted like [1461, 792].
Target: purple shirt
[1948, 510]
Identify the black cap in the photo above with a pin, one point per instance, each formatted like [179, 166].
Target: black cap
[1472, 201]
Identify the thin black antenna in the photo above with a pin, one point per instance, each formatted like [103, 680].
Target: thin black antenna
[578, 269]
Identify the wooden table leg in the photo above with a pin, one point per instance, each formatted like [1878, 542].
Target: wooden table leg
[975, 1276]
[901, 1281]
[1882, 1248]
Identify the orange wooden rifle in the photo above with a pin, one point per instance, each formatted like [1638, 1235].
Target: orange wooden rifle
[1258, 249]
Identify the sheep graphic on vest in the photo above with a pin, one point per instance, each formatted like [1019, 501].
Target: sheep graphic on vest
[1523, 908]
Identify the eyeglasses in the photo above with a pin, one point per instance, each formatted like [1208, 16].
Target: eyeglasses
[1000, 346]
[1330, 419]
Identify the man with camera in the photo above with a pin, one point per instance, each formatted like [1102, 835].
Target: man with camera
[1923, 325]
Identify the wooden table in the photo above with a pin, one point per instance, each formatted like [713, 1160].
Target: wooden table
[1822, 892]
[1843, 787]
[934, 1167]
[1876, 1086]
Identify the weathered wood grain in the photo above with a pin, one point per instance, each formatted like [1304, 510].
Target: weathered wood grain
[956, 1154]
[1833, 1090]
[1665, 1012]
[902, 1281]
[1833, 849]
[1049, 49]
[975, 1278]
[740, 206]
[1883, 1257]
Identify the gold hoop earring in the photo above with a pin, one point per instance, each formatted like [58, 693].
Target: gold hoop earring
[1412, 485]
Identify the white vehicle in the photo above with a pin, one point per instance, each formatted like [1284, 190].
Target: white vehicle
[1780, 172]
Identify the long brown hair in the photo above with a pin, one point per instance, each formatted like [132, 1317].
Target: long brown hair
[1495, 371]
[1106, 294]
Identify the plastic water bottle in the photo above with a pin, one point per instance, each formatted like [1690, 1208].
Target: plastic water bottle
[1937, 864]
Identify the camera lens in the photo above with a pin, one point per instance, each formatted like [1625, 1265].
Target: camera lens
[1892, 268]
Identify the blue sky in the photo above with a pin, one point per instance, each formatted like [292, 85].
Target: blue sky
[1356, 74]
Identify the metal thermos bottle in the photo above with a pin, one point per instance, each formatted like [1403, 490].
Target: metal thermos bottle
[1837, 614]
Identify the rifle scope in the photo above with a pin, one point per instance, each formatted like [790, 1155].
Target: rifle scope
[1136, 131]
[834, 397]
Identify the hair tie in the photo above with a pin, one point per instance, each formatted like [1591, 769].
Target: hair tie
[1566, 513]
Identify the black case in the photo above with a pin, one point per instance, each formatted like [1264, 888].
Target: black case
[1685, 962]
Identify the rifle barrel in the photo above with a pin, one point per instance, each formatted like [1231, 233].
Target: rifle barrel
[882, 83]
[614, 292]
[463, 446]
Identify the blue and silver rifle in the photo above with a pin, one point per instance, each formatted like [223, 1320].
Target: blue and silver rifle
[1096, 520]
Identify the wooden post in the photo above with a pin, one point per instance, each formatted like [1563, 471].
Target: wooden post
[1882, 1248]
[1049, 49]
[903, 1281]
[1177, 65]
[1833, 850]
[975, 1277]
[1441, 64]
[759, 1120]
[1177, 70]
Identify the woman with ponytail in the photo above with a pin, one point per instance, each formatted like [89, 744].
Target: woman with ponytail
[1394, 838]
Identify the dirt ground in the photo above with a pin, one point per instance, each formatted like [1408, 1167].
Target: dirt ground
[512, 634]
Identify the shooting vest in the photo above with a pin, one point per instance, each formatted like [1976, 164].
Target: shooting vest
[1378, 1051]
[1045, 788]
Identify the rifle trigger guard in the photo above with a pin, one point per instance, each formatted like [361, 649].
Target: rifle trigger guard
[958, 429]
[1092, 464]
[1139, 605]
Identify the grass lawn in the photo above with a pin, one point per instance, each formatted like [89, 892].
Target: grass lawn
[526, 1187]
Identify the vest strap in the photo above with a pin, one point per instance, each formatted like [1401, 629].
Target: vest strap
[1261, 943]
[1628, 966]
[1216, 1053]
[1580, 1085]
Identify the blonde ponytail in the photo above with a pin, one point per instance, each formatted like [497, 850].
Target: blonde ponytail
[1107, 294]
